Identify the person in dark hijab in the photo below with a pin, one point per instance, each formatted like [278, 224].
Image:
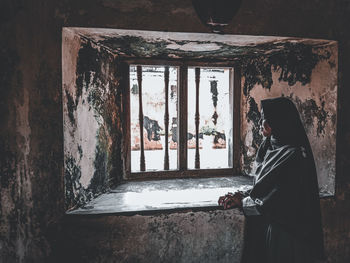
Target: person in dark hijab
[283, 219]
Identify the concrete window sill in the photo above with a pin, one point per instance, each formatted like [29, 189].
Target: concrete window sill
[149, 197]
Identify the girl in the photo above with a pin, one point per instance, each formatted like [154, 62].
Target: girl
[283, 221]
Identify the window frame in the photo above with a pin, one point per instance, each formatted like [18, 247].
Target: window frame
[183, 171]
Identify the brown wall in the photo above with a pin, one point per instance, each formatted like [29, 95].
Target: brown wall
[31, 134]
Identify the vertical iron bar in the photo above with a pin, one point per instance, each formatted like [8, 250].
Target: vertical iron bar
[166, 117]
[142, 156]
[182, 120]
[197, 159]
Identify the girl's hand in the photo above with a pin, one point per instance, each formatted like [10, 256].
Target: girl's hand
[231, 200]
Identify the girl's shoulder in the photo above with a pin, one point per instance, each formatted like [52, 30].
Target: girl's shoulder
[289, 152]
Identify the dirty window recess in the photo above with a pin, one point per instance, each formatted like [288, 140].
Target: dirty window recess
[96, 107]
[186, 114]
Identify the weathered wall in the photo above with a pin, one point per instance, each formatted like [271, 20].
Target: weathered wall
[213, 236]
[92, 95]
[30, 132]
[31, 135]
[92, 128]
[310, 78]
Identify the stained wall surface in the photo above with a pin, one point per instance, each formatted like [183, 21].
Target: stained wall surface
[212, 236]
[31, 134]
[310, 79]
[92, 110]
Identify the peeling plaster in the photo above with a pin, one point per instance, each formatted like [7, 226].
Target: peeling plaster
[88, 124]
[92, 104]
[294, 64]
[314, 91]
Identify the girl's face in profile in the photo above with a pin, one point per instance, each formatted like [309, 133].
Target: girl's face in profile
[265, 128]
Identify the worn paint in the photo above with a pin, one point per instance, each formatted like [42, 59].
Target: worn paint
[294, 63]
[93, 137]
[301, 55]
[252, 142]
[315, 95]
[310, 111]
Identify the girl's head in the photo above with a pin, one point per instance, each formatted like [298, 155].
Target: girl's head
[280, 118]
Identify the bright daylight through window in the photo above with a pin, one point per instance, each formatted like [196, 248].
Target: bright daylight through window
[154, 103]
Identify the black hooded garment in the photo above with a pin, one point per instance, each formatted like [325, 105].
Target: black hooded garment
[283, 220]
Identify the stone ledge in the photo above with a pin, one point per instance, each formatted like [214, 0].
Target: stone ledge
[148, 197]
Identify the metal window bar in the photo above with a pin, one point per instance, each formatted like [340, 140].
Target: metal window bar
[142, 155]
[182, 119]
[166, 117]
[197, 158]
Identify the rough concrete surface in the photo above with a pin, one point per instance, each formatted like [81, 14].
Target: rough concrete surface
[213, 236]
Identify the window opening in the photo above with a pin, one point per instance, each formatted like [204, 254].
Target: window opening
[198, 136]
[209, 118]
[153, 107]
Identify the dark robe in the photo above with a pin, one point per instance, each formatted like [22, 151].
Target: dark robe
[283, 220]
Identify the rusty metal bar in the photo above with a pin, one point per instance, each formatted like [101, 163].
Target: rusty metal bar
[166, 117]
[142, 156]
[196, 117]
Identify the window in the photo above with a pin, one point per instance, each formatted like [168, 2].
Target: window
[181, 120]
[99, 75]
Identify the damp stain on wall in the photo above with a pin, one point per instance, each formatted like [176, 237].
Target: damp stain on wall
[293, 56]
[76, 194]
[294, 67]
[294, 64]
[253, 117]
[298, 75]
[95, 99]
[310, 112]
